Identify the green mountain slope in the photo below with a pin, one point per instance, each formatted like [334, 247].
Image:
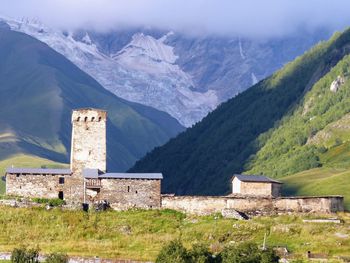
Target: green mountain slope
[38, 90]
[265, 130]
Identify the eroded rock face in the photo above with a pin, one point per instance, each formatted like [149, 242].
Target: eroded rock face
[337, 83]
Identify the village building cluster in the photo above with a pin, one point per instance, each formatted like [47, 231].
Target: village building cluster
[88, 181]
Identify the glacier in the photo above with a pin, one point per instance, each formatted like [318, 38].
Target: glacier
[143, 71]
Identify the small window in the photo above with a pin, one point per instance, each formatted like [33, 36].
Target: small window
[93, 118]
[61, 180]
[17, 175]
[78, 119]
[99, 119]
[135, 192]
[60, 195]
[85, 119]
[128, 188]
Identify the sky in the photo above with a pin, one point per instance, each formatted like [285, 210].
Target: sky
[250, 18]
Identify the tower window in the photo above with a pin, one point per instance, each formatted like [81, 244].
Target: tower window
[93, 118]
[61, 180]
[78, 119]
[128, 188]
[99, 119]
[85, 119]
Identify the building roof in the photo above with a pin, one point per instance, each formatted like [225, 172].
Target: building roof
[95, 173]
[89, 109]
[37, 171]
[255, 178]
[132, 175]
[91, 173]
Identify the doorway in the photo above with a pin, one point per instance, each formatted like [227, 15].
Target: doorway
[60, 195]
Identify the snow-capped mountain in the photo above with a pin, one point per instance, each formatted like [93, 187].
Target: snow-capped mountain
[183, 75]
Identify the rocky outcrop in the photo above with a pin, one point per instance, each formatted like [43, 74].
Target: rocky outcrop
[337, 83]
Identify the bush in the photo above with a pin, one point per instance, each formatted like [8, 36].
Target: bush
[50, 202]
[40, 200]
[173, 252]
[57, 258]
[248, 253]
[24, 255]
[201, 254]
[56, 202]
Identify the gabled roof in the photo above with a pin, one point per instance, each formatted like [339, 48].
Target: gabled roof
[38, 171]
[95, 173]
[255, 178]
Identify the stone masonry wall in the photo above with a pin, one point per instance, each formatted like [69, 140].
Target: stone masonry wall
[129, 193]
[88, 140]
[43, 186]
[251, 188]
[88, 149]
[204, 205]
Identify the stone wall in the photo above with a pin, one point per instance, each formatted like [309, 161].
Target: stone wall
[28, 185]
[128, 193]
[204, 205]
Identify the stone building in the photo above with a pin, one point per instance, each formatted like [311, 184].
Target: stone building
[87, 180]
[255, 185]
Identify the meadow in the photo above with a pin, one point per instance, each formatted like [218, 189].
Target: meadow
[140, 234]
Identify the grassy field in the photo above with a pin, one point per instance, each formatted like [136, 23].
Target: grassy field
[323, 181]
[140, 234]
[22, 160]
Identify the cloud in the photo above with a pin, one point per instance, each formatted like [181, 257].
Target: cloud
[257, 18]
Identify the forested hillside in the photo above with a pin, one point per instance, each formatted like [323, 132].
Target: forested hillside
[270, 129]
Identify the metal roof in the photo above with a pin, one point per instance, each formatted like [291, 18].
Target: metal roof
[255, 178]
[95, 173]
[132, 175]
[91, 173]
[37, 171]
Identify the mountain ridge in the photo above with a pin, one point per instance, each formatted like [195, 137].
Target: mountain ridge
[202, 72]
[203, 159]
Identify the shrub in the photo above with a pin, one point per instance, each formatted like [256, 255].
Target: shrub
[40, 200]
[56, 202]
[57, 258]
[24, 255]
[201, 254]
[248, 253]
[173, 252]
[50, 202]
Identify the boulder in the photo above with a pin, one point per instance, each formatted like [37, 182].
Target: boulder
[232, 213]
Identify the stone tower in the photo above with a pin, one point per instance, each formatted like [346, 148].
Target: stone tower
[88, 148]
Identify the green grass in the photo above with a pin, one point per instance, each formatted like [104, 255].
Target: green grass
[320, 181]
[140, 234]
[22, 160]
